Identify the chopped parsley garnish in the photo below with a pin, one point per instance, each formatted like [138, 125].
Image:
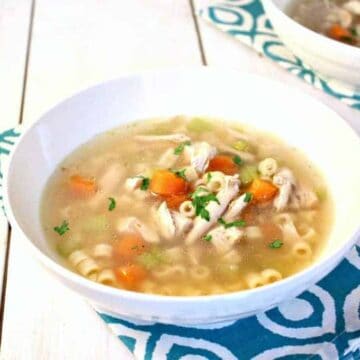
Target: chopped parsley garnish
[63, 228]
[180, 148]
[276, 244]
[248, 197]
[208, 176]
[353, 31]
[237, 160]
[180, 173]
[208, 238]
[236, 223]
[201, 201]
[145, 183]
[112, 204]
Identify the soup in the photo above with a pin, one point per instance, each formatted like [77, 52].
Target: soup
[186, 206]
[337, 19]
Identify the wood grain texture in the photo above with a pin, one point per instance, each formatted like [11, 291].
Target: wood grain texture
[14, 24]
[222, 50]
[76, 44]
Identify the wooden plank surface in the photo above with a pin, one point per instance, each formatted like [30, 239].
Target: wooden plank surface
[14, 24]
[223, 50]
[76, 44]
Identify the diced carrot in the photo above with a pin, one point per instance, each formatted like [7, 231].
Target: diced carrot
[223, 163]
[338, 32]
[165, 182]
[81, 185]
[130, 275]
[129, 246]
[262, 190]
[174, 201]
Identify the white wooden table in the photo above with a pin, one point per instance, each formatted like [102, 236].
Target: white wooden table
[49, 50]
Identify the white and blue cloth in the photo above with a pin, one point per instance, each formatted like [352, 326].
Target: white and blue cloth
[247, 22]
[322, 323]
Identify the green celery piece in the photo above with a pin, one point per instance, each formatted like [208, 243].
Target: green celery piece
[67, 245]
[199, 125]
[152, 258]
[248, 173]
[241, 145]
[95, 223]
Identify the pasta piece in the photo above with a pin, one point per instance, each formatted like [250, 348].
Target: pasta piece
[88, 267]
[199, 272]
[254, 280]
[102, 251]
[287, 226]
[271, 275]
[93, 276]
[268, 167]
[191, 174]
[215, 181]
[166, 271]
[253, 232]
[174, 254]
[302, 250]
[187, 209]
[232, 257]
[306, 232]
[106, 277]
[77, 257]
[132, 224]
[155, 138]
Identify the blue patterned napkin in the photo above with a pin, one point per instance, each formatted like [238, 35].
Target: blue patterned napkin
[322, 323]
[247, 21]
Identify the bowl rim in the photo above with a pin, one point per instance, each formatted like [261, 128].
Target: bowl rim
[337, 45]
[84, 283]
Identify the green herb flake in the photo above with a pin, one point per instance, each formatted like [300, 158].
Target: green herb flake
[236, 223]
[180, 173]
[145, 183]
[180, 148]
[208, 176]
[200, 203]
[248, 197]
[208, 238]
[112, 204]
[276, 244]
[63, 228]
[237, 160]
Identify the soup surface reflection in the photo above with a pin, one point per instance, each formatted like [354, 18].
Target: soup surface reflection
[186, 206]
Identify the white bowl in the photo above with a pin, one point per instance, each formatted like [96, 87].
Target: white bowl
[267, 105]
[332, 59]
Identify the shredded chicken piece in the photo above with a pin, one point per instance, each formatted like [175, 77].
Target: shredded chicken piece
[285, 181]
[201, 226]
[133, 183]
[224, 239]
[199, 154]
[171, 137]
[289, 231]
[132, 224]
[165, 221]
[303, 198]
[182, 223]
[168, 159]
[235, 208]
[244, 155]
[353, 6]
